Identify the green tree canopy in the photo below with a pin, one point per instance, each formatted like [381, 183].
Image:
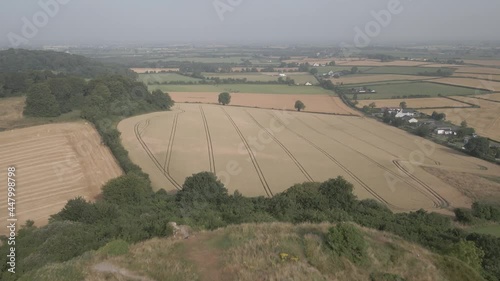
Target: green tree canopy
[479, 147]
[299, 105]
[40, 102]
[224, 98]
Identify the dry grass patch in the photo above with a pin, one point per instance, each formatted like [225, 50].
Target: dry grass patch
[478, 70]
[476, 187]
[11, 110]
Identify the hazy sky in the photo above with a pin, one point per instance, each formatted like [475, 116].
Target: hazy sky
[246, 21]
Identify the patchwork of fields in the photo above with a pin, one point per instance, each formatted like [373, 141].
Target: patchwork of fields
[54, 163]
[414, 103]
[486, 119]
[263, 152]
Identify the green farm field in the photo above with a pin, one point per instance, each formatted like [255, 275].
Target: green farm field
[489, 229]
[243, 88]
[406, 88]
[406, 70]
[165, 77]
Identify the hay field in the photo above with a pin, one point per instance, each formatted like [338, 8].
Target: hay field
[478, 70]
[477, 76]
[414, 103]
[54, 163]
[486, 120]
[263, 152]
[358, 79]
[470, 82]
[314, 103]
[495, 97]
[484, 62]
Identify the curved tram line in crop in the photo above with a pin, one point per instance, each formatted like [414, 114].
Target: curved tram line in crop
[334, 160]
[211, 158]
[290, 154]
[438, 200]
[164, 172]
[251, 154]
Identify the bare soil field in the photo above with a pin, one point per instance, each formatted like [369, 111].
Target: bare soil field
[484, 62]
[144, 70]
[414, 103]
[477, 76]
[264, 152]
[486, 119]
[471, 83]
[11, 110]
[495, 97]
[376, 78]
[314, 103]
[478, 70]
[54, 163]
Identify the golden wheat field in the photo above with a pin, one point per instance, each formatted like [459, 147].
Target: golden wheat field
[486, 119]
[54, 163]
[314, 103]
[264, 152]
[471, 83]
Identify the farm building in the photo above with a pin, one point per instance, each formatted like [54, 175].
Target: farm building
[403, 113]
[308, 84]
[282, 75]
[445, 131]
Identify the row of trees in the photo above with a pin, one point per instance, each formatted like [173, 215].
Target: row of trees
[130, 210]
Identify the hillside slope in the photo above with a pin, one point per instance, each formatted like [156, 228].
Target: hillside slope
[275, 251]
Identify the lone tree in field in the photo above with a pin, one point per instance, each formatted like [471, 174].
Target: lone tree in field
[403, 105]
[224, 98]
[299, 105]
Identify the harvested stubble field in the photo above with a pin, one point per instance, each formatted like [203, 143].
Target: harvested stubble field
[478, 84]
[486, 77]
[478, 70]
[495, 97]
[486, 119]
[263, 152]
[54, 163]
[414, 103]
[314, 103]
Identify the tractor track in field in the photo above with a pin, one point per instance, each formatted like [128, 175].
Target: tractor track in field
[171, 139]
[251, 154]
[438, 200]
[208, 136]
[287, 151]
[386, 140]
[152, 156]
[335, 161]
[428, 157]
[445, 202]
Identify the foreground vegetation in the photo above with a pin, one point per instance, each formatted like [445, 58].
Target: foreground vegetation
[286, 252]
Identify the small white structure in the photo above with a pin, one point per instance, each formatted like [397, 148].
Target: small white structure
[445, 131]
[316, 64]
[282, 75]
[413, 121]
[403, 113]
[309, 84]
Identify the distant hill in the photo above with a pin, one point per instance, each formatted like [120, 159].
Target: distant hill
[271, 251]
[20, 60]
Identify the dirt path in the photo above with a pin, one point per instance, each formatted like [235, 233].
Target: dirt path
[105, 267]
[204, 257]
